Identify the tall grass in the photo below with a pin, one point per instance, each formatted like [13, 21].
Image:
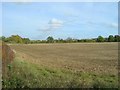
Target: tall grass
[29, 75]
[7, 57]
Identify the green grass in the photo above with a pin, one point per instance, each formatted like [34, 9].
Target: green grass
[23, 74]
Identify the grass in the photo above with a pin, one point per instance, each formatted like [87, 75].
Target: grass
[63, 66]
[27, 75]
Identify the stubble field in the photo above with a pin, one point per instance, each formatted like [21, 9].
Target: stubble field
[66, 65]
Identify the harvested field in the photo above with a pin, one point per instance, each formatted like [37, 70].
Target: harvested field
[67, 65]
[88, 57]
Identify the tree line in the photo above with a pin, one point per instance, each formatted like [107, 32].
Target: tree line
[50, 39]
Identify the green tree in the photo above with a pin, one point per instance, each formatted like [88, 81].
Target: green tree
[26, 40]
[110, 38]
[106, 39]
[100, 39]
[50, 39]
[3, 38]
[117, 38]
[69, 39]
[15, 39]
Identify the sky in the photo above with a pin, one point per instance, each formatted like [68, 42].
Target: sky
[78, 20]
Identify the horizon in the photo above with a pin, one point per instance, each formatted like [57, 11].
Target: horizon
[78, 20]
[63, 38]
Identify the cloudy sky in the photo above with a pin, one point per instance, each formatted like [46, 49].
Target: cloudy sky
[60, 20]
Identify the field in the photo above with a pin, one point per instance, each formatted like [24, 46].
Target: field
[69, 65]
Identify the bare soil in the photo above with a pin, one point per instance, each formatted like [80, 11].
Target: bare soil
[99, 58]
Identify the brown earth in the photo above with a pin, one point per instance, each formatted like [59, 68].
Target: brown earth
[97, 58]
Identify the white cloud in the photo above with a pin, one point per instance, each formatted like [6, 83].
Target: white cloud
[113, 25]
[52, 24]
[106, 24]
[55, 23]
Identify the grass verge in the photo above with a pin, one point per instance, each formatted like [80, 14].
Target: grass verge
[23, 74]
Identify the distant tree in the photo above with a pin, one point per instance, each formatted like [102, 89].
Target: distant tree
[84, 40]
[106, 39]
[100, 39]
[90, 40]
[3, 38]
[50, 39]
[69, 39]
[60, 40]
[44, 41]
[117, 38]
[110, 38]
[93, 40]
[26, 40]
[15, 39]
[32, 41]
